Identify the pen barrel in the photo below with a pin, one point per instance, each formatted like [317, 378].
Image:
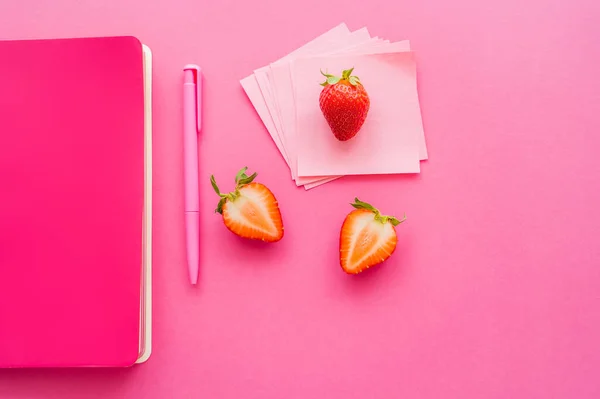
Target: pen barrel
[192, 241]
[190, 148]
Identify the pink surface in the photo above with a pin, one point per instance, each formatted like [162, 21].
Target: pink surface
[493, 292]
[71, 172]
[388, 140]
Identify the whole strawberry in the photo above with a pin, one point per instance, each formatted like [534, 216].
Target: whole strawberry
[344, 103]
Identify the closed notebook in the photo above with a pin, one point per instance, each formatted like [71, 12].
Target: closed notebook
[75, 202]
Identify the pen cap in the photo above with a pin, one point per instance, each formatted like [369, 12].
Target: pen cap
[196, 75]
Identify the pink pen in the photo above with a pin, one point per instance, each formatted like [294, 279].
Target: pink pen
[192, 101]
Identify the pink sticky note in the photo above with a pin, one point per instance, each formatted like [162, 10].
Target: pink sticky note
[289, 115]
[387, 142]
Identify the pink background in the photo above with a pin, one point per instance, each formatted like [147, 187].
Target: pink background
[495, 289]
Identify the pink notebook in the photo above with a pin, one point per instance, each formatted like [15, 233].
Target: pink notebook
[74, 204]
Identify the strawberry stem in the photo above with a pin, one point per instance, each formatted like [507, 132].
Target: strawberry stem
[242, 178]
[346, 73]
[358, 204]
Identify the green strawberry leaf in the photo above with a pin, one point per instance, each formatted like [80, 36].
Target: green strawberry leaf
[358, 204]
[346, 74]
[331, 79]
[395, 222]
[241, 174]
[246, 179]
[220, 206]
[214, 185]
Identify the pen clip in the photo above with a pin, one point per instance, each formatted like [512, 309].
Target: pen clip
[198, 81]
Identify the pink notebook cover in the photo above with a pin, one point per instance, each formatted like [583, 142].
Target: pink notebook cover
[71, 202]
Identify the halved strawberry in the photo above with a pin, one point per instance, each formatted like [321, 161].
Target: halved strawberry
[251, 211]
[367, 238]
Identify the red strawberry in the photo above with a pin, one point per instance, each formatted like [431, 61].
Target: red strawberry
[251, 211]
[367, 238]
[344, 103]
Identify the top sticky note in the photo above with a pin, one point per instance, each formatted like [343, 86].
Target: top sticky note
[387, 143]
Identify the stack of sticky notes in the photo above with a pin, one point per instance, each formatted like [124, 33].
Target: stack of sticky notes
[286, 93]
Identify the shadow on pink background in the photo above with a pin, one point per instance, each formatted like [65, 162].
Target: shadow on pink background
[494, 290]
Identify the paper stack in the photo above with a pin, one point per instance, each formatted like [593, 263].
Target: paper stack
[286, 92]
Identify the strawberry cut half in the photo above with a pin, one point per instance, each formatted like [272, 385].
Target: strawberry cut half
[367, 238]
[251, 210]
